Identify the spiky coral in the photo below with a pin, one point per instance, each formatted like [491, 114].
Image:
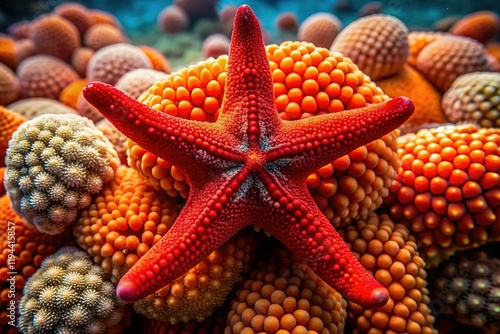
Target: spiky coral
[482, 26]
[411, 83]
[32, 107]
[68, 295]
[29, 248]
[54, 165]
[378, 44]
[283, 295]
[447, 189]
[320, 29]
[474, 97]
[9, 122]
[9, 85]
[389, 252]
[55, 36]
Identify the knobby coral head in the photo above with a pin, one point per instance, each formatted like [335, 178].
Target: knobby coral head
[249, 167]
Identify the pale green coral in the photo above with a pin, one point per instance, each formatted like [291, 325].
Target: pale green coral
[55, 163]
[68, 294]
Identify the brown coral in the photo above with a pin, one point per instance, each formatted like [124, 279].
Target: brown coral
[116, 138]
[8, 52]
[97, 16]
[283, 295]
[137, 81]
[320, 29]
[172, 19]
[447, 189]
[287, 21]
[482, 26]
[417, 40]
[215, 45]
[410, 83]
[445, 59]
[378, 44]
[9, 122]
[44, 76]
[9, 85]
[80, 59]
[103, 34]
[388, 251]
[74, 13]
[55, 36]
[24, 48]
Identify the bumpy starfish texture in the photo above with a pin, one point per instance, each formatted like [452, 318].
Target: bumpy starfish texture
[249, 167]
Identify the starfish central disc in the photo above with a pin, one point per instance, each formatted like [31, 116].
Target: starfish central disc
[249, 167]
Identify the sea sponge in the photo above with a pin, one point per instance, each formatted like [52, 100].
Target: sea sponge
[36, 106]
[8, 52]
[137, 81]
[24, 48]
[87, 110]
[447, 189]
[20, 29]
[378, 44]
[123, 221]
[103, 34]
[283, 295]
[44, 76]
[410, 83]
[157, 59]
[215, 45]
[111, 62]
[70, 94]
[116, 138]
[448, 57]
[55, 163]
[287, 21]
[388, 251]
[55, 36]
[80, 59]
[68, 294]
[29, 248]
[482, 26]
[417, 40]
[75, 13]
[9, 85]
[197, 293]
[308, 81]
[474, 97]
[320, 29]
[172, 20]
[469, 286]
[9, 122]
[97, 16]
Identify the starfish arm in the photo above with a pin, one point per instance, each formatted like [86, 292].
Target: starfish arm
[208, 220]
[317, 141]
[307, 232]
[188, 143]
[249, 92]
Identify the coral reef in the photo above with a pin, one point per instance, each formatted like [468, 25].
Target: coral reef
[103, 34]
[136, 82]
[320, 29]
[80, 59]
[9, 122]
[9, 85]
[173, 19]
[74, 13]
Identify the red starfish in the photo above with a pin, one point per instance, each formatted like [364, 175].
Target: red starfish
[249, 167]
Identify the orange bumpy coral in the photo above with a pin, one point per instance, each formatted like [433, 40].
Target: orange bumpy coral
[447, 58]
[8, 52]
[417, 40]
[378, 44]
[409, 82]
[320, 29]
[123, 222]
[157, 59]
[74, 13]
[103, 34]
[448, 188]
[9, 85]
[9, 122]
[482, 26]
[55, 36]
[97, 16]
[30, 247]
[197, 293]
[389, 252]
[25, 48]
[70, 94]
[474, 97]
[308, 81]
[283, 295]
[44, 76]
[80, 59]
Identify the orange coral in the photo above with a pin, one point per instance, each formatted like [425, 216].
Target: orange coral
[378, 44]
[74, 13]
[24, 48]
[448, 188]
[9, 122]
[30, 248]
[283, 295]
[410, 83]
[417, 40]
[445, 59]
[308, 81]
[44, 76]
[80, 59]
[2, 175]
[103, 34]
[20, 29]
[70, 94]
[97, 16]
[8, 52]
[54, 35]
[494, 50]
[389, 252]
[9, 85]
[320, 29]
[157, 59]
[482, 26]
